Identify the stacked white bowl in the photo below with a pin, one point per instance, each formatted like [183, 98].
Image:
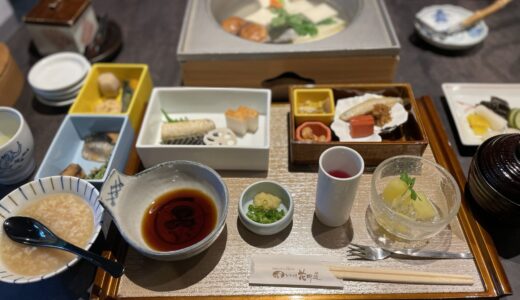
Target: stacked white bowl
[57, 79]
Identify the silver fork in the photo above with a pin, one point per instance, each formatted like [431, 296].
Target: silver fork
[377, 253]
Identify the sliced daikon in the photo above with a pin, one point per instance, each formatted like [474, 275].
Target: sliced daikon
[263, 16]
[296, 7]
[496, 122]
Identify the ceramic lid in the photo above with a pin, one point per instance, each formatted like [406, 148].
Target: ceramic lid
[56, 12]
[498, 159]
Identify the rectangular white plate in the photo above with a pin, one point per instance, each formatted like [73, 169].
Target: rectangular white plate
[459, 95]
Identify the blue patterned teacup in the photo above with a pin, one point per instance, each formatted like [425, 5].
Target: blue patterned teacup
[16, 147]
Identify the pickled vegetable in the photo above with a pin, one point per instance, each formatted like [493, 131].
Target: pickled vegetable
[394, 189]
[496, 122]
[478, 124]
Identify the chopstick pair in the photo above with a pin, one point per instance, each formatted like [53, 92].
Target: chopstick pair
[398, 276]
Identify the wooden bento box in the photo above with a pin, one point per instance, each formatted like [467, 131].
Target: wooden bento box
[410, 138]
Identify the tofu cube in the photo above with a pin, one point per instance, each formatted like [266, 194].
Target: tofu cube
[320, 12]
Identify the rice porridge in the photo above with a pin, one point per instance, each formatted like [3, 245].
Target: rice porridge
[68, 216]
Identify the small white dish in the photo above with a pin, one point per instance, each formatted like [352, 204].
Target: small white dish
[462, 97]
[55, 103]
[58, 98]
[441, 17]
[33, 190]
[67, 93]
[272, 188]
[58, 72]
[342, 129]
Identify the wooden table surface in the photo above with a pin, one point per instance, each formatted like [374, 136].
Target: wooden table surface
[151, 30]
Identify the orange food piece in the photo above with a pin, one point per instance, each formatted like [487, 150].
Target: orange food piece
[254, 32]
[361, 126]
[247, 112]
[276, 4]
[233, 24]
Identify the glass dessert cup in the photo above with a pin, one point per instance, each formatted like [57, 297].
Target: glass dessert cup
[410, 221]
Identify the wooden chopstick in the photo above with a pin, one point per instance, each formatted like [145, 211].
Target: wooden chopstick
[398, 276]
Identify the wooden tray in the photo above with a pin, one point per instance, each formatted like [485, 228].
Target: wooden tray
[205, 276]
[412, 139]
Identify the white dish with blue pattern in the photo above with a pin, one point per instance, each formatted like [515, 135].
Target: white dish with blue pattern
[442, 17]
[127, 198]
[30, 192]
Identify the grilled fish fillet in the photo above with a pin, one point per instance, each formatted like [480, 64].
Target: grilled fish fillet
[185, 129]
[367, 106]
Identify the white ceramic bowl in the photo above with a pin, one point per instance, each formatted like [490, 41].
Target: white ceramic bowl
[29, 192]
[273, 188]
[127, 198]
[16, 155]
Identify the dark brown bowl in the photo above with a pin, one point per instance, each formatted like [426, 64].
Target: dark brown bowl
[494, 177]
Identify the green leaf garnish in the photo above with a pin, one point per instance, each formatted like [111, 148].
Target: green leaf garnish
[170, 120]
[327, 21]
[298, 22]
[410, 182]
[97, 173]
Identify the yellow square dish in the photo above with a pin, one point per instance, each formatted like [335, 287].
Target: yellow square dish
[313, 104]
[139, 80]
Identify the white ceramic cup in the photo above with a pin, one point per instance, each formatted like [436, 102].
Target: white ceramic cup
[335, 195]
[16, 154]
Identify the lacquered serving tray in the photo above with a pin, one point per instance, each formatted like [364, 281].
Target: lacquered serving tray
[222, 271]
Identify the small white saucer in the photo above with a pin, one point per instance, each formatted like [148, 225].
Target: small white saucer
[55, 103]
[58, 72]
[441, 17]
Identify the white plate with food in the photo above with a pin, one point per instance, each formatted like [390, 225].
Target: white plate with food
[224, 128]
[348, 110]
[488, 119]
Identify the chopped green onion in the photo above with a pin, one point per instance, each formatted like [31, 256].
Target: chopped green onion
[264, 216]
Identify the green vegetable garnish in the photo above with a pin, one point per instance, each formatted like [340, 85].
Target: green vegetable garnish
[298, 22]
[327, 21]
[264, 216]
[170, 120]
[410, 183]
[97, 173]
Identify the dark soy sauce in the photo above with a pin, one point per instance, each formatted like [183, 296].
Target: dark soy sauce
[178, 219]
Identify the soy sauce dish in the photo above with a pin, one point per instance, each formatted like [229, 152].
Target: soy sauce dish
[171, 211]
